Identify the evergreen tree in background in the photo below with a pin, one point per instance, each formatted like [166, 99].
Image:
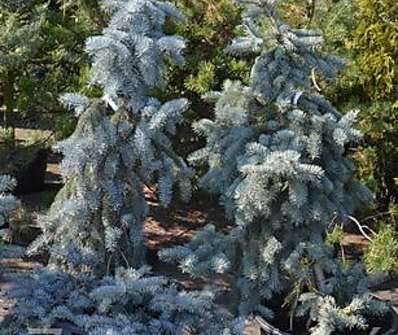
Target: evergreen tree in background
[208, 29]
[375, 49]
[93, 230]
[7, 201]
[41, 55]
[20, 40]
[88, 9]
[277, 154]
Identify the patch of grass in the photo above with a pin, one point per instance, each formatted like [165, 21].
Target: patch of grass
[382, 253]
[335, 237]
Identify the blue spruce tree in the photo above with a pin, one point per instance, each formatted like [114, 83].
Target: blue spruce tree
[277, 155]
[7, 201]
[93, 230]
[120, 144]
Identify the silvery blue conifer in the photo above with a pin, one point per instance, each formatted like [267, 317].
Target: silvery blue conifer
[7, 201]
[120, 144]
[277, 155]
[93, 230]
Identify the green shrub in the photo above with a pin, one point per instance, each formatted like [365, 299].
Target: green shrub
[335, 237]
[375, 49]
[208, 30]
[382, 253]
[376, 45]
[41, 54]
[379, 158]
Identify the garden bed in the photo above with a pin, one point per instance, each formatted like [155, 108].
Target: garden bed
[167, 227]
[175, 226]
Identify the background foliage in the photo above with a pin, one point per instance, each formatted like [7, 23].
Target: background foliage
[42, 55]
[208, 29]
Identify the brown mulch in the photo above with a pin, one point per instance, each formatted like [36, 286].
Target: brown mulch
[178, 223]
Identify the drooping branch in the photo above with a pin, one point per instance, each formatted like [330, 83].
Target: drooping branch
[268, 328]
